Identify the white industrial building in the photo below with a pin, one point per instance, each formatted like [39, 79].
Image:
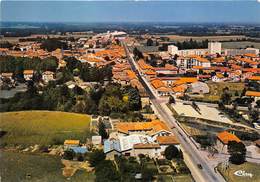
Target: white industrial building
[213, 48]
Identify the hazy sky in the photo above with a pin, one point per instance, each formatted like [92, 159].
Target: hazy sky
[131, 11]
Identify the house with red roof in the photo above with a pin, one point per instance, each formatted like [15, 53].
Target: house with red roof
[222, 141]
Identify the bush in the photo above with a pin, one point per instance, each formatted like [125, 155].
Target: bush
[96, 157]
[237, 158]
[80, 157]
[57, 141]
[171, 152]
[69, 154]
[237, 151]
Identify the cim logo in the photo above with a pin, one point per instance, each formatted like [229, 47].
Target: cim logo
[243, 173]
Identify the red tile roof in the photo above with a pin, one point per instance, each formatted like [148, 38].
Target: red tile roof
[226, 137]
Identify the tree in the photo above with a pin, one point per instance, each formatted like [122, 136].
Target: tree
[102, 130]
[52, 44]
[171, 100]
[258, 103]
[133, 98]
[254, 115]
[96, 157]
[148, 171]
[149, 42]
[237, 151]
[106, 171]
[138, 53]
[171, 152]
[69, 154]
[225, 97]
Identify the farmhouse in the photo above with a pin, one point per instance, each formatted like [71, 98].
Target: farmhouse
[254, 94]
[71, 143]
[47, 76]
[136, 144]
[28, 74]
[222, 140]
[154, 128]
[134, 138]
[6, 75]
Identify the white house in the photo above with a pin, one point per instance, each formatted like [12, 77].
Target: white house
[47, 76]
[28, 74]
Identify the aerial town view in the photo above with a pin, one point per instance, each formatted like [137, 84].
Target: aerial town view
[130, 91]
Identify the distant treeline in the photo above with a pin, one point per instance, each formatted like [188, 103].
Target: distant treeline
[191, 44]
[18, 64]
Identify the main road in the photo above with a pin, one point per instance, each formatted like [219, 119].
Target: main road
[192, 155]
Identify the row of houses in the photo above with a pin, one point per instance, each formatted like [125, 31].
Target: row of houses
[28, 75]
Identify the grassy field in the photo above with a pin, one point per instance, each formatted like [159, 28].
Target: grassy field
[247, 167]
[43, 127]
[27, 167]
[216, 90]
[242, 44]
[200, 38]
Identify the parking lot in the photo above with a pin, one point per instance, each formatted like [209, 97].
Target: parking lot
[206, 112]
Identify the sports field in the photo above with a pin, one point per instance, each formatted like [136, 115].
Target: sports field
[42, 127]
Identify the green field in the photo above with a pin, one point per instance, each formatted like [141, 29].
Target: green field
[216, 90]
[42, 127]
[16, 167]
[241, 44]
[247, 167]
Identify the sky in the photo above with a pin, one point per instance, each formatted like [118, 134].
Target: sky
[218, 11]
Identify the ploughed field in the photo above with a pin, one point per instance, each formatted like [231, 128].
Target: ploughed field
[42, 127]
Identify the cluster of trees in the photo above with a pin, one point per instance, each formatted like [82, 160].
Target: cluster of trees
[117, 99]
[237, 151]
[192, 44]
[128, 167]
[150, 42]
[53, 97]
[105, 170]
[52, 44]
[87, 72]
[112, 99]
[205, 141]
[226, 99]
[138, 54]
[102, 130]
[18, 64]
[172, 152]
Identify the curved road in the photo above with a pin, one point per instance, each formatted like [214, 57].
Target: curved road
[192, 155]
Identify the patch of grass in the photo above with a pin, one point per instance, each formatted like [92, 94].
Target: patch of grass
[240, 44]
[182, 178]
[247, 167]
[43, 127]
[28, 167]
[216, 90]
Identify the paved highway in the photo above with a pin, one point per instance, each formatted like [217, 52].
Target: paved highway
[192, 155]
